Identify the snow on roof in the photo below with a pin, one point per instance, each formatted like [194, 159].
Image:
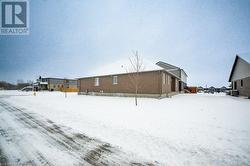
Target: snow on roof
[122, 66]
[43, 83]
[169, 67]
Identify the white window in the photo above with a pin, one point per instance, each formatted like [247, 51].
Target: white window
[115, 80]
[97, 81]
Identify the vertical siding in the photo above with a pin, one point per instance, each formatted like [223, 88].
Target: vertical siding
[166, 88]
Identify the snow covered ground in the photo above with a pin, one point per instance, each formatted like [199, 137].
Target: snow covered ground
[187, 129]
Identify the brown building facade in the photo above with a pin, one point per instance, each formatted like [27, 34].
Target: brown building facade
[155, 83]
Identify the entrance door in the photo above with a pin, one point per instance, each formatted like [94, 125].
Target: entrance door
[172, 84]
[235, 85]
[180, 86]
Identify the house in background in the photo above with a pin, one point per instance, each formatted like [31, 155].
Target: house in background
[200, 89]
[240, 77]
[223, 89]
[56, 84]
[162, 81]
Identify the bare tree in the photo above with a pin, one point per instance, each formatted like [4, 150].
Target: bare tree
[136, 66]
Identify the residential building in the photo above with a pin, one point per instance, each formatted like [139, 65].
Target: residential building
[200, 89]
[240, 77]
[56, 84]
[161, 82]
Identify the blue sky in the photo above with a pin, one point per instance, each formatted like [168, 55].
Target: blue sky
[72, 38]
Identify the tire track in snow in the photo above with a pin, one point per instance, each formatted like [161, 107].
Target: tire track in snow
[3, 159]
[83, 149]
[7, 136]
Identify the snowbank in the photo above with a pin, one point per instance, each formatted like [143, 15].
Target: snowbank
[188, 129]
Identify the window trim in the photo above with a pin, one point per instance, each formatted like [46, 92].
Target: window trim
[97, 81]
[114, 80]
[241, 83]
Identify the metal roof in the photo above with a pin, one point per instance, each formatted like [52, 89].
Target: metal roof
[169, 67]
[153, 67]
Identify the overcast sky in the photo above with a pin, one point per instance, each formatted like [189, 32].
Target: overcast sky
[72, 38]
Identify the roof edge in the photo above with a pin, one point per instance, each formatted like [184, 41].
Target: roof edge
[59, 78]
[157, 63]
[233, 67]
[104, 75]
[127, 73]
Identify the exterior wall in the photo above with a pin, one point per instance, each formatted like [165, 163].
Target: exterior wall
[125, 94]
[242, 70]
[43, 87]
[182, 86]
[176, 72]
[150, 83]
[243, 90]
[176, 85]
[166, 82]
[183, 76]
[54, 87]
[58, 85]
[72, 86]
[55, 84]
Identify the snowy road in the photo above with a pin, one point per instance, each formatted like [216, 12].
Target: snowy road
[29, 139]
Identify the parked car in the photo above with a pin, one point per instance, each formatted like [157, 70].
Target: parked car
[27, 88]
